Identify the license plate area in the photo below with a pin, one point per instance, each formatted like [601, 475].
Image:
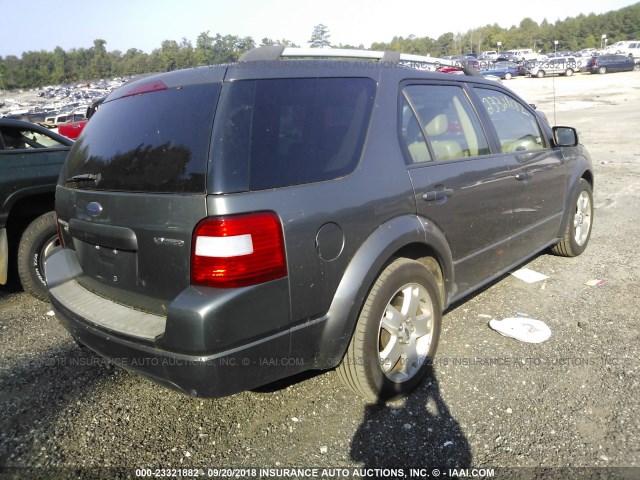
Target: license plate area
[108, 265]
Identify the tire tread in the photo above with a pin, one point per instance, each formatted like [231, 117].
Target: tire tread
[31, 284]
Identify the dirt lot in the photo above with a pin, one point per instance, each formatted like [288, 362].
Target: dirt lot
[494, 403]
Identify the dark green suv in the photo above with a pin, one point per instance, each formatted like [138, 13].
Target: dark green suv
[224, 227]
[30, 161]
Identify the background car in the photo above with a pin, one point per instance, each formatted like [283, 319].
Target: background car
[633, 50]
[618, 47]
[610, 63]
[566, 66]
[504, 70]
[31, 157]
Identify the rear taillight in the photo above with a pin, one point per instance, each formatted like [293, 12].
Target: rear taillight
[238, 251]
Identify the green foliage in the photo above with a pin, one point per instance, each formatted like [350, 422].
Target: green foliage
[37, 69]
[571, 33]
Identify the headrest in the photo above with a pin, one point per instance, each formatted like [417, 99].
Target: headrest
[437, 126]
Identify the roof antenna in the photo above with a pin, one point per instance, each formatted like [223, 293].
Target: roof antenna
[553, 83]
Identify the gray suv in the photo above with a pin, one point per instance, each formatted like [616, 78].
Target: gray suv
[224, 227]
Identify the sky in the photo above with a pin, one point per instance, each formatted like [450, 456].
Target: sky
[144, 24]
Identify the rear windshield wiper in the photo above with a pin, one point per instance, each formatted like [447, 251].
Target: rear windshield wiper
[83, 177]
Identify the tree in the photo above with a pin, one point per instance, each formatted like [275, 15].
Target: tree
[61, 71]
[203, 54]
[320, 37]
[99, 65]
[444, 45]
[185, 54]
[169, 54]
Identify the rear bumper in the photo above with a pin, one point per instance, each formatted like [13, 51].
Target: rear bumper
[214, 375]
[194, 352]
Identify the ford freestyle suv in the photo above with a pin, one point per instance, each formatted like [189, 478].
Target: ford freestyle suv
[224, 227]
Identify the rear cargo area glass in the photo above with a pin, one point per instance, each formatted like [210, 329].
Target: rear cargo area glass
[156, 142]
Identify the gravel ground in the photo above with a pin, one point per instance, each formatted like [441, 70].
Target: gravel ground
[524, 410]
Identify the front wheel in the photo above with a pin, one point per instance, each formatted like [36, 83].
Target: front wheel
[578, 230]
[569, 72]
[540, 74]
[36, 244]
[396, 335]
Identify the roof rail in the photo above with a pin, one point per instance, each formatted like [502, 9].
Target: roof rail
[280, 52]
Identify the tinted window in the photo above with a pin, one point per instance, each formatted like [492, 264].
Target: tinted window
[154, 142]
[445, 116]
[275, 133]
[516, 127]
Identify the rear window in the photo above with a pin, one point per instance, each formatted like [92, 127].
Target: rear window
[281, 132]
[154, 142]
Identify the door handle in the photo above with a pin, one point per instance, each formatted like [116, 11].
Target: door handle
[523, 176]
[436, 195]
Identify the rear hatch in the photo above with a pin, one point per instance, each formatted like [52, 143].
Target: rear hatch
[133, 188]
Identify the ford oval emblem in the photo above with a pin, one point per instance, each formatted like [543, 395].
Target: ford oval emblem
[94, 209]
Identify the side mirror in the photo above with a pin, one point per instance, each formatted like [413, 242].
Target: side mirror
[565, 136]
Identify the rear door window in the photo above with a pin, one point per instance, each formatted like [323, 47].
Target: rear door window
[276, 133]
[443, 115]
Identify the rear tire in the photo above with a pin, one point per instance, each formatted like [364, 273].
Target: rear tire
[540, 74]
[569, 72]
[396, 335]
[579, 224]
[602, 70]
[37, 242]
[507, 76]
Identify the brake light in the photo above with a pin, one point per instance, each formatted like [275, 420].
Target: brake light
[148, 87]
[238, 251]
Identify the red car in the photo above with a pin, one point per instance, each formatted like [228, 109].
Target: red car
[72, 130]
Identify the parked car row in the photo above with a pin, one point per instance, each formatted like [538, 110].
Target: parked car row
[565, 66]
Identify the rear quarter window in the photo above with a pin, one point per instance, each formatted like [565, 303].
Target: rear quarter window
[153, 142]
[281, 132]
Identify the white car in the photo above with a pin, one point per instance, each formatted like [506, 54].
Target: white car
[524, 54]
[566, 66]
[632, 50]
[618, 47]
[492, 54]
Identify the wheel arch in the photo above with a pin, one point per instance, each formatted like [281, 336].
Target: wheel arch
[24, 209]
[583, 172]
[407, 237]
[20, 211]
